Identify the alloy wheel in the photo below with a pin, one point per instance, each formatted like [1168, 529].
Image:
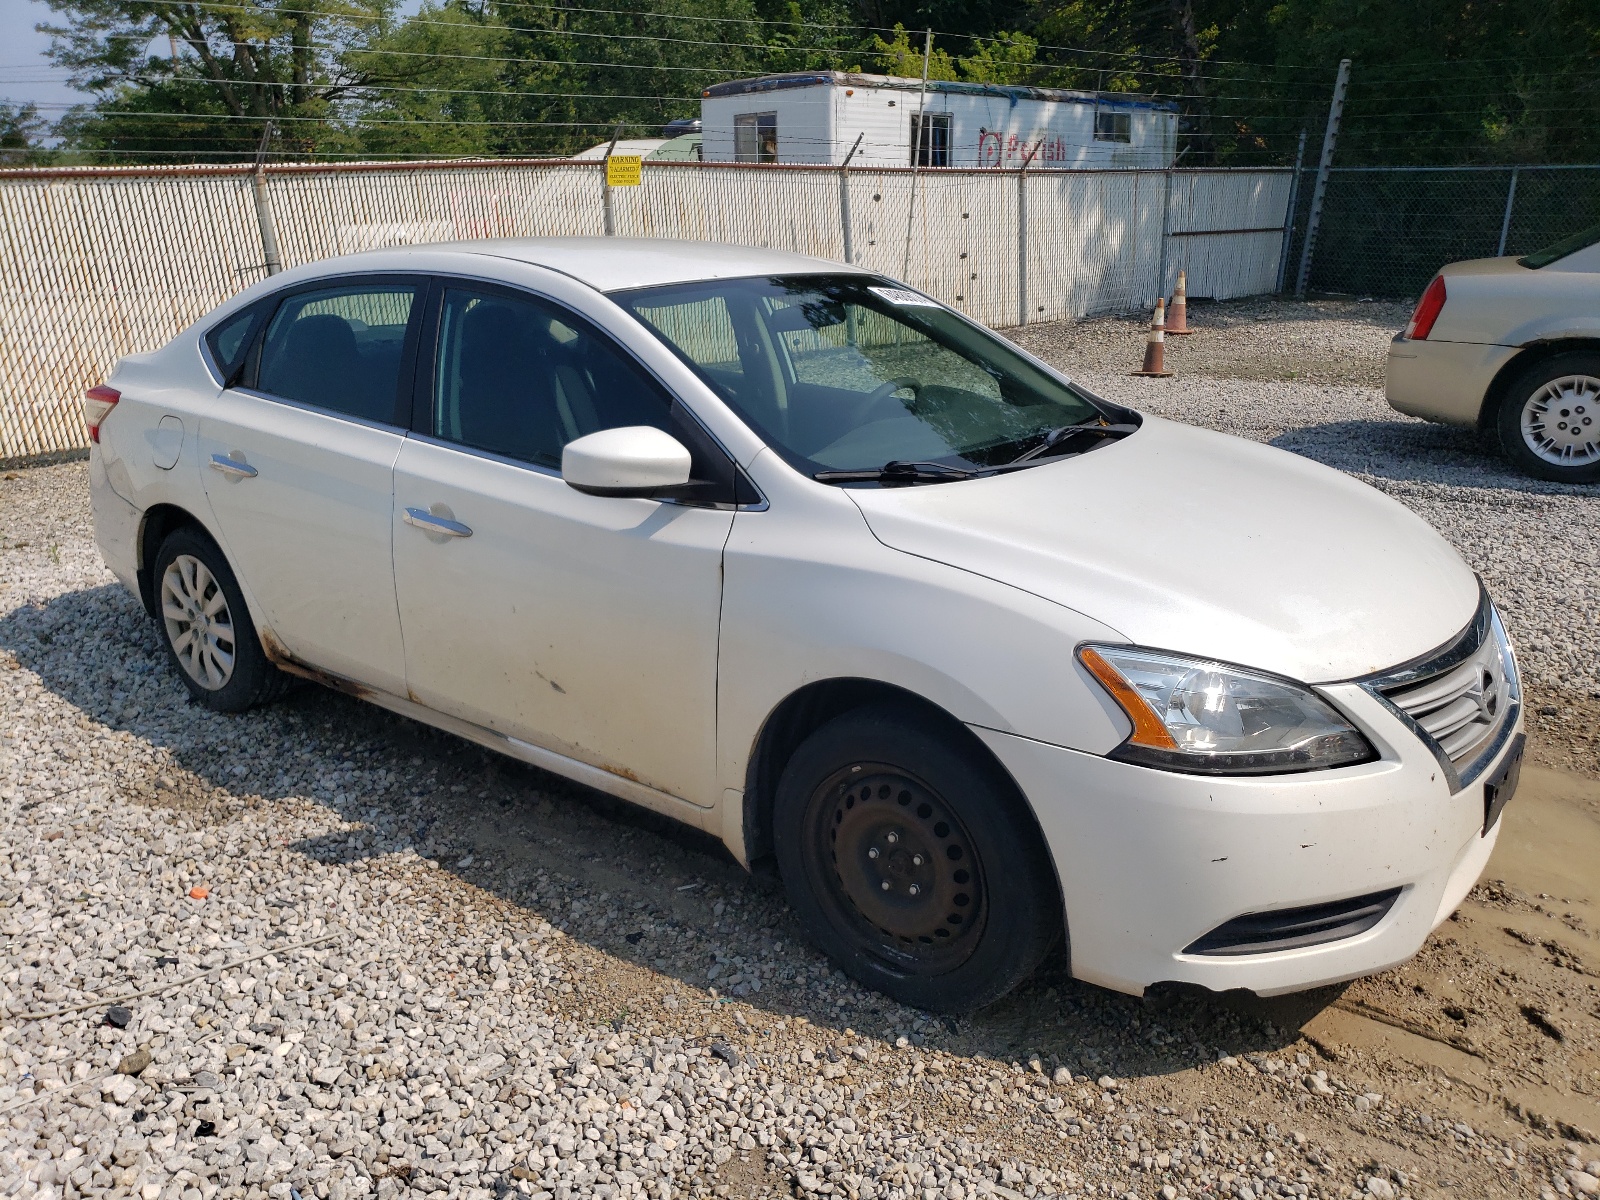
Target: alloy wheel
[1561, 421]
[198, 623]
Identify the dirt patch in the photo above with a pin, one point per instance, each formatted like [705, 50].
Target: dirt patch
[1564, 730]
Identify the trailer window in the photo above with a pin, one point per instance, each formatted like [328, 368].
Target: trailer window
[755, 137]
[1113, 127]
[930, 140]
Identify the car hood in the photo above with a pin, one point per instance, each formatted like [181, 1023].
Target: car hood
[1188, 540]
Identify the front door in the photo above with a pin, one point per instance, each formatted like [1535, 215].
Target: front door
[298, 464]
[584, 625]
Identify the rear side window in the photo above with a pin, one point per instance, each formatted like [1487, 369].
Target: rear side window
[229, 342]
[339, 349]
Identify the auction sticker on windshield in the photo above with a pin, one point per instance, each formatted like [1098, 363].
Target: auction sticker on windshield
[902, 296]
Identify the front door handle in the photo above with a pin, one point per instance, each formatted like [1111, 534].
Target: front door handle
[430, 523]
[234, 468]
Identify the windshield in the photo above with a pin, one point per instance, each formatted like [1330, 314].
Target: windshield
[1571, 245]
[850, 372]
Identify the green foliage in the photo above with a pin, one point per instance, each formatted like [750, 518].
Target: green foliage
[1434, 81]
[1008, 58]
[22, 133]
[899, 57]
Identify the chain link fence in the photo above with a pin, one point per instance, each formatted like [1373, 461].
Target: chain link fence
[99, 263]
[1386, 230]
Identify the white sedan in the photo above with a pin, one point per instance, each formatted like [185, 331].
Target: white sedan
[801, 557]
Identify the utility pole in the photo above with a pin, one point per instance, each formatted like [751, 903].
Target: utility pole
[605, 174]
[270, 255]
[918, 145]
[1289, 213]
[1329, 140]
[844, 202]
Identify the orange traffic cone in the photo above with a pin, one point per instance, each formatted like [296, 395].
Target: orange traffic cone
[1156, 344]
[1180, 307]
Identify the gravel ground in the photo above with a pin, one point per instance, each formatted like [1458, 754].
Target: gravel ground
[1309, 378]
[318, 950]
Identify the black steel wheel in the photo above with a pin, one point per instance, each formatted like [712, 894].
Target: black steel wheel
[896, 867]
[913, 862]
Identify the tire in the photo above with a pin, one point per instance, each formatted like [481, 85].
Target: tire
[912, 861]
[206, 626]
[1549, 419]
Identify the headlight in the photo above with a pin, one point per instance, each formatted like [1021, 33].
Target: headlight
[1205, 717]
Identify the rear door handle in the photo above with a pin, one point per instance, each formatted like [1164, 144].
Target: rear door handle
[233, 467]
[430, 523]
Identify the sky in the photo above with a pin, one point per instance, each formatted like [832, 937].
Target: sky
[26, 74]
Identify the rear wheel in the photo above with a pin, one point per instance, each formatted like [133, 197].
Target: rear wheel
[1549, 419]
[913, 862]
[207, 628]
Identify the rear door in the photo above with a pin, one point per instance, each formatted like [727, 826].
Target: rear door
[298, 460]
[585, 625]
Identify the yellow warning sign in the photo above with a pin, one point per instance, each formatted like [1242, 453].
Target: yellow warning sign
[624, 170]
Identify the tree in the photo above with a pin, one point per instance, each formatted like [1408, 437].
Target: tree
[228, 70]
[22, 133]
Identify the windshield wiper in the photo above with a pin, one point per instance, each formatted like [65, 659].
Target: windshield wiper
[899, 471]
[1062, 434]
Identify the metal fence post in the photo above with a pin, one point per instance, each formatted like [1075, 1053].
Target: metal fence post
[1505, 224]
[1289, 213]
[919, 146]
[1166, 231]
[271, 258]
[1022, 237]
[605, 192]
[1329, 139]
[264, 222]
[844, 202]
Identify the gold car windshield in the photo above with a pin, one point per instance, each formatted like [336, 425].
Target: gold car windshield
[850, 372]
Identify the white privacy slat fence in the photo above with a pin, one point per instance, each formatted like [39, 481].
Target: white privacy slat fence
[97, 263]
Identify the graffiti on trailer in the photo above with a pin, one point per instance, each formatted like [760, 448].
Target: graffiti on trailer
[996, 149]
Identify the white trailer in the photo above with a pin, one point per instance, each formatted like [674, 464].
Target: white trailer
[815, 117]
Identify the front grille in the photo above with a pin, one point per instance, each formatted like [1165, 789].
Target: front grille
[1294, 928]
[1461, 700]
[1462, 706]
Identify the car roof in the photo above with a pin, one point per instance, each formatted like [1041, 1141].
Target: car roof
[613, 264]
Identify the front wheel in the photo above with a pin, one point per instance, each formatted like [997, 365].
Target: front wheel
[913, 862]
[207, 627]
[1549, 419]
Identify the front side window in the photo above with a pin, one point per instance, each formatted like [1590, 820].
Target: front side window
[849, 372]
[340, 349]
[521, 378]
[755, 137]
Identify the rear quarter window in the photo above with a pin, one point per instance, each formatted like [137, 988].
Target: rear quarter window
[229, 342]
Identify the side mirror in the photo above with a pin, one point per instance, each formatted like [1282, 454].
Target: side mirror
[635, 460]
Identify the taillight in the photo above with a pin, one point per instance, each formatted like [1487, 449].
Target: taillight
[98, 402]
[1427, 311]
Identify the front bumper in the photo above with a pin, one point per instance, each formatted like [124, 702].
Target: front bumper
[1151, 861]
[1442, 381]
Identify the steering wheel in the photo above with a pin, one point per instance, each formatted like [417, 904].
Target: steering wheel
[882, 392]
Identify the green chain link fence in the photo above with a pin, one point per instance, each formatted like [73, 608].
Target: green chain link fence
[1386, 230]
